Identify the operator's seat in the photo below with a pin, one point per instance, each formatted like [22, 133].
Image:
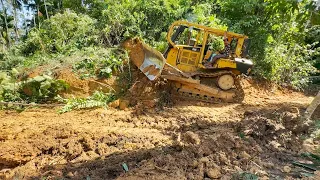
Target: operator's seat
[207, 55]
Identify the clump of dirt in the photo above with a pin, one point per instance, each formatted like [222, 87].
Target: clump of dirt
[145, 94]
[142, 92]
[36, 72]
[278, 129]
[136, 52]
[78, 87]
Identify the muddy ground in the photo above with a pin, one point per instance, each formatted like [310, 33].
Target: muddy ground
[189, 140]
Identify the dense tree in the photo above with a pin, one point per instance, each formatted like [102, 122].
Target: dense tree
[284, 33]
[5, 24]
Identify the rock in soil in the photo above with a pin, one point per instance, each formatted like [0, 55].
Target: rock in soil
[286, 169]
[123, 104]
[213, 173]
[115, 103]
[245, 155]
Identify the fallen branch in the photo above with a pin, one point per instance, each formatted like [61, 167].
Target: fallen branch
[312, 107]
[103, 84]
[161, 169]
[26, 104]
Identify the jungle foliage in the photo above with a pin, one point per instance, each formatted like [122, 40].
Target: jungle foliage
[97, 99]
[37, 89]
[284, 33]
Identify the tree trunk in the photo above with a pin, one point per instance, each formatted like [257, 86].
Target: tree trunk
[34, 21]
[25, 24]
[15, 20]
[60, 5]
[4, 43]
[7, 38]
[45, 6]
[312, 107]
[38, 16]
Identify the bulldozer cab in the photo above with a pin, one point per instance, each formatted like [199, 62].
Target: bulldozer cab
[185, 49]
[189, 45]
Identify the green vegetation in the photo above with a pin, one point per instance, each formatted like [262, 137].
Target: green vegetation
[101, 63]
[63, 33]
[38, 89]
[98, 99]
[284, 34]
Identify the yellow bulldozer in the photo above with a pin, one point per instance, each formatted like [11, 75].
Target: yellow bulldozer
[183, 62]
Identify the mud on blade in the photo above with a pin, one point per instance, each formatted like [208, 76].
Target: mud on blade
[147, 59]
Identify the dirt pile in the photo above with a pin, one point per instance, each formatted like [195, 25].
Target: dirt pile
[144, 94]
[79, 87]
[189, 140]
[136, 52]
[86, 87]
[260, 144]
[62, 145]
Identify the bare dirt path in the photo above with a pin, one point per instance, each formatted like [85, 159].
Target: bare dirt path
[187, 141]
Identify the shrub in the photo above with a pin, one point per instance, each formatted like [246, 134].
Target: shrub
[61, 33]
[287, 65]
[100, 62]
[98, 99]
[37, 89]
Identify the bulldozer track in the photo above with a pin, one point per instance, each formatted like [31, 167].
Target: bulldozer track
[209, 99]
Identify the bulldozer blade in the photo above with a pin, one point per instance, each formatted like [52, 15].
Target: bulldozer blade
[148, 60]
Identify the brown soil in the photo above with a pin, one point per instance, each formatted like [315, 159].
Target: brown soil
[135, 48]
[144, 91]
[85, 87]
[190, 140]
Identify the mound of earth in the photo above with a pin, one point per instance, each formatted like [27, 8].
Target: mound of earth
[259, 144]
[186, 141]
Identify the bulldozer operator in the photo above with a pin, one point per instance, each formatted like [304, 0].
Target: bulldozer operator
[224, 54]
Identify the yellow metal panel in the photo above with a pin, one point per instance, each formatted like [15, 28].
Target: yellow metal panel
[204, 43]
[225, 63]
[172, 56]
[186, 68]
[188, 57]
[188, 60]
[239, 47]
